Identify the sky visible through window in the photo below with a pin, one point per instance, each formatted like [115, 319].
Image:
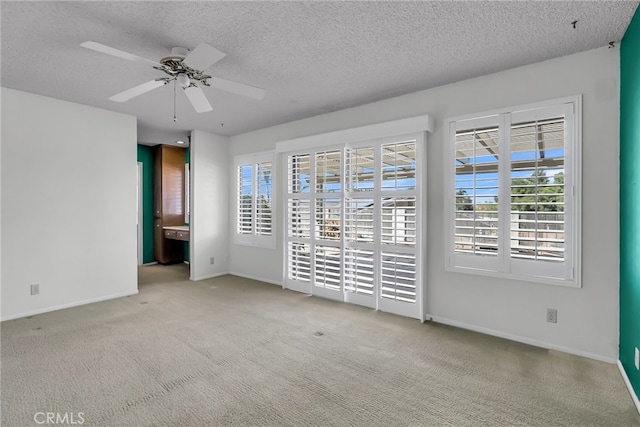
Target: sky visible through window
[485, 192]
[264, 182]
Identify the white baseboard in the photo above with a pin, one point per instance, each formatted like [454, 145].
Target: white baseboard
[69, 305]
[149, 263]
[259, 279]
[521, 339]
[629, 386]
[208, 276]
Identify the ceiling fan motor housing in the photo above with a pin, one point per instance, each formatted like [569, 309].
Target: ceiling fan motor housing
[174, 66]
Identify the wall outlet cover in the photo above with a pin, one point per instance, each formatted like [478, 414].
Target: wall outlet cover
[35, 289]
[212, 260]
[552, 315]
[637, 358]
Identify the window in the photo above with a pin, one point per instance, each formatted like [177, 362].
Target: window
[513, 193]
[254, 200]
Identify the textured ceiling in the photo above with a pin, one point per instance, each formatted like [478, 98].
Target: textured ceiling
[311, 57]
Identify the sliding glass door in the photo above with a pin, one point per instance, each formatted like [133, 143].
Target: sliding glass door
[353, 223]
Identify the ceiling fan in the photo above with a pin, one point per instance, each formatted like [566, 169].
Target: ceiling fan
[184, 67]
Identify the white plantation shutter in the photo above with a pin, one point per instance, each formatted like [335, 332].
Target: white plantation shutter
[299, 223]
[359, 220]
[359, 271]
[398, 226]
[299, 175]
[398, 278]
[353, 218]
[328, 222]
[399, 166]
[245, 199]
[299, 261]
[360, 168]
[328, 267]
[299, 218]
[254, 200]
[476, 191]
[537, 190]
[328, 168]
[264, 200]
[398, 221]
[512, 197]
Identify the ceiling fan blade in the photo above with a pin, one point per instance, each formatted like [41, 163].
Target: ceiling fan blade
[198, 99]
[118, 53]
[203, 57]
[135, 91]
[237, 88]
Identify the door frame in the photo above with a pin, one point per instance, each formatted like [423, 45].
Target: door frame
[140, 221]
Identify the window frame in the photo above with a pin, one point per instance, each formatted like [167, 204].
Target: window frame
[565, 273]
[254, 238]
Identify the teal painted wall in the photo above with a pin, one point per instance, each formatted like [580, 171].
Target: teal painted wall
[630, 199]
[146, 156]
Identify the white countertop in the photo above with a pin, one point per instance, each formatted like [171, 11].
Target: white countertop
[177, 228]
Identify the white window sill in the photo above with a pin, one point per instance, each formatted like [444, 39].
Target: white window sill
[570, 283]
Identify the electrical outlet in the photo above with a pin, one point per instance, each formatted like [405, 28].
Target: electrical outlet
[637, 358]
[552, 315]
[212, 260]
[35, 289]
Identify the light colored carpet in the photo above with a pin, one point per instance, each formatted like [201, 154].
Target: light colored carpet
[232, 351]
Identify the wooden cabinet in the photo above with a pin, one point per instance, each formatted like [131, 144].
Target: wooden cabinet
[177, 233]
[169, 202]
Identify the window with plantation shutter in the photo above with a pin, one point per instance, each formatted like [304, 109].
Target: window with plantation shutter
[513, 193]
[254, 200]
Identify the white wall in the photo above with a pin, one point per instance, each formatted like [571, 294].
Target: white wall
[209, 157]
[68, 204]
[587, 317]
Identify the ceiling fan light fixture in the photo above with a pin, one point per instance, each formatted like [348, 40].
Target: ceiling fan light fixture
[183, 80]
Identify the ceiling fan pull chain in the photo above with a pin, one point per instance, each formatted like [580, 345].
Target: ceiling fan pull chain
[174, 102]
